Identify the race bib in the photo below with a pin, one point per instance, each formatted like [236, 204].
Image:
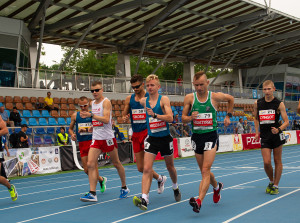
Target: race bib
[266, 116]
[1, 155]
[208, 146]
[83, 128]
[138, 116]
[203, 121]
[157, 125]
[109, 142]
[282, 136]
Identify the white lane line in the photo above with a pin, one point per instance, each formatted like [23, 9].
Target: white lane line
[259, 206]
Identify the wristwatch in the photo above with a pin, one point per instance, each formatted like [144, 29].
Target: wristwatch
[92, 115]
[155, 115]
[229, 114]
[279, 129]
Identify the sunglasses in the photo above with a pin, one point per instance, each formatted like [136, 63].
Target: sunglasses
[136, 87]
[82, 106]
[96, 90]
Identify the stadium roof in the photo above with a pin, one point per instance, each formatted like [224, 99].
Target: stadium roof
[241, 32]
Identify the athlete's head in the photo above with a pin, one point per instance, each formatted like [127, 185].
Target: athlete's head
[152, 84]
[200, 82]
[137, 83]
[97, 89]
[268, 88]
[83, 103]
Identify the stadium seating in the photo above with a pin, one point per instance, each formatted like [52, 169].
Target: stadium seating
[50, 130]
[45, 114]
[28, 131]
[42, 122]
[68, 121]
[26, 114]
[52, 121]
[32, 122]
[48, 140]
[24, 121]
[61, 121]
[40, 131]
[37, 140]
[36, 114]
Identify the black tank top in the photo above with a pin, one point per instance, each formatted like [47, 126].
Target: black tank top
[268, 115]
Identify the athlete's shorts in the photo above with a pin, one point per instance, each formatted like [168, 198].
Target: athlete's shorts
[205, 141]
[84, 147]
[138, 139]
[273, 141]
[164, 145]
[105, 146]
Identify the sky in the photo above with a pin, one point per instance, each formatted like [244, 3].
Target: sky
[291, 7]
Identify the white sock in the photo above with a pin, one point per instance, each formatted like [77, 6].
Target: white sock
[146, 197]
[159, 178]
[175, 186]
[216, 188]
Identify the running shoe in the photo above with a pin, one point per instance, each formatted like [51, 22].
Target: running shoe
[13, 192]
[124, 193]
[177, 194]
[195, 205]
[161, 184]
[88, 197]
[103, 185]
[274, 191]
[217, 193]
[140, 202]
[269, 187]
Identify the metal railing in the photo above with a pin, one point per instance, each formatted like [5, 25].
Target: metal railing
[65, 80]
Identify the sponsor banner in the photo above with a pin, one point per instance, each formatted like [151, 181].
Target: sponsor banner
[298, 136]
[290, 137]
[185, 147]
[237, 142]
[249, 141]
[225, 143]
[49, 159]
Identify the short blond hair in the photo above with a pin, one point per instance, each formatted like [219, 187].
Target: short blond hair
[152, 77]
[268, 82]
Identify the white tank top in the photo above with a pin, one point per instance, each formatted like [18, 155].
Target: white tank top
[101, 131]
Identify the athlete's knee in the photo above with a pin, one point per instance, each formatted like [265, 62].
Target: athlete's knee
[140, 169]
[205, 170]
[90, 165]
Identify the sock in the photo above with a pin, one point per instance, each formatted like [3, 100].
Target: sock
[216, 188]
[175, 186]
[146, 197]
[124, 188]
[93, 193]
[160, 178]
[198, 202]
[271, 182]
[276, 186]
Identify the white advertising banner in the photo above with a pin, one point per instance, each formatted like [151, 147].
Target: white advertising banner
[291, 137]
[49, 159]
[185, 147]
[225, 143]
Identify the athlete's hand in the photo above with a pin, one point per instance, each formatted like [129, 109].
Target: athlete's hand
[194, 115]
[274, 130]
[90, 129]
[73, 137]
[256, 137]
[125, 117]
[226, 121]
[8, 154]
[85, 114]
[150, 111]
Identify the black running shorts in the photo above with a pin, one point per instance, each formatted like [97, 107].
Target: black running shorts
[273, 141]
[164, 145]
[205, 141]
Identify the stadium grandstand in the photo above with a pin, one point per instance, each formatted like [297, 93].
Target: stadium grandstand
[255, 41]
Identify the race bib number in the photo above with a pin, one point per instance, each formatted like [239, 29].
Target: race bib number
[171, 147]
[146, 144]
[203, 121]
[97, 124]
[138, 116]
[267, 116]
[109, 142]
[282, 136]
[157, 125]
[83, 128]
[208, 146]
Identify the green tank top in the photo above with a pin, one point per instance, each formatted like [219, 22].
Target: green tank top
[206, 120]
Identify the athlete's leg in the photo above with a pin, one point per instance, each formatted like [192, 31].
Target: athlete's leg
[169, 160]
[118, 165]
[147, 172]
[266, 154]
[84, 161]
[4, 182]
[93, 172]
[140, 163]
[277, 153]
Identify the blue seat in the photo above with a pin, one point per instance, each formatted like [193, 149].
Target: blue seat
[61, 121]
[32, 122]
[1, 104]
[40, 131]
[68, 121]
[173, 108]
[48, 139]
[37, 140]
[50, 130]
[36, 114]
[26, 114]
[52, 121]
[17, 130]
[24, 121]
[45, 114]
[43, 122]
[10, 131]
[29, 131]
[8, 112]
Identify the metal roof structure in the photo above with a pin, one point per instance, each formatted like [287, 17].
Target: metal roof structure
[241, 32]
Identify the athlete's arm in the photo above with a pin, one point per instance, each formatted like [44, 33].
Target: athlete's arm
[106, 113]
[284, 116]
[3, 128]
[221, 97]
[168, 114]
[298, 109]
[72, 124]
[256, 122]
[125, 112]
[187, 105]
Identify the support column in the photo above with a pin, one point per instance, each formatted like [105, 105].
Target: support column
[188, 75]
[123, 71]
[33, 59]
